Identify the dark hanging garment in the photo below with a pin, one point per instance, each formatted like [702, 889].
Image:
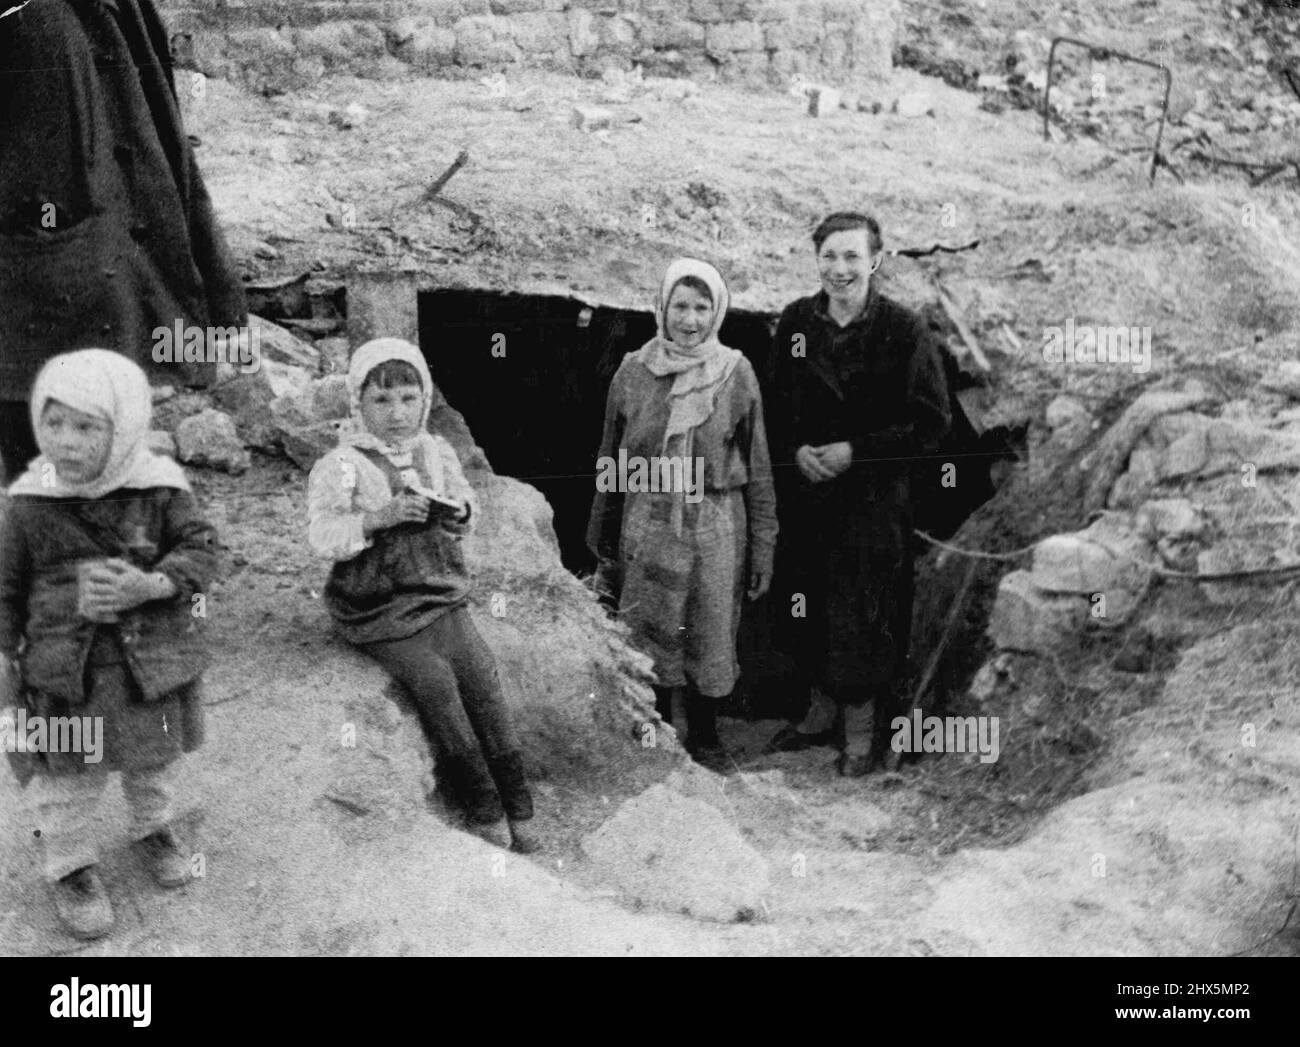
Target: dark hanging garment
[106, 229]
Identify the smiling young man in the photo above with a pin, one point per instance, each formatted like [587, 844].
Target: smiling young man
[856, 395]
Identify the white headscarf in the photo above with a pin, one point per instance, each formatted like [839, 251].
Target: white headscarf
[113, 388]
[354, 433]
[414, 453]
[700, 371]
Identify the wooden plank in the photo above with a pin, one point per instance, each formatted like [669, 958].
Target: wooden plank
[954, 314]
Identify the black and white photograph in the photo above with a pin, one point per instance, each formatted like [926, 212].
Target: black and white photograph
[651, 478]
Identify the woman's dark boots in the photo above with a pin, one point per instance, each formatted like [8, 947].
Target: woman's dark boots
[702, 740]
[697, 715]
[818, 727]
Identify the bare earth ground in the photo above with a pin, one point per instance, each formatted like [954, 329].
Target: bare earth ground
[1199, 852]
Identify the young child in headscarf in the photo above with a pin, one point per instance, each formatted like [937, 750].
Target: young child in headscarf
[101, 550]
[389, 506]
[686, 562]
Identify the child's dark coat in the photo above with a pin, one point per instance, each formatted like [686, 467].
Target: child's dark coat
[41, 541]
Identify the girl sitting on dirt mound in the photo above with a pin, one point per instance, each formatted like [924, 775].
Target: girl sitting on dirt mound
[389, 506]
[101, 552]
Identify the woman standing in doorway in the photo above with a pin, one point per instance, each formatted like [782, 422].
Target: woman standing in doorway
[686, 408]
[858, 396]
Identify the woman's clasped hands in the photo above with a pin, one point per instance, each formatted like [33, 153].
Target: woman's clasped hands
[819, 464]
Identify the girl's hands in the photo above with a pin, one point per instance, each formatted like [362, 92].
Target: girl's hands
[405, 508]
[116, 586]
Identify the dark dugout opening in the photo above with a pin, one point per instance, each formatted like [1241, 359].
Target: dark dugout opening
[530, 374]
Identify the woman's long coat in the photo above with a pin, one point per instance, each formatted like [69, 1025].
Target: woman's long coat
[106, 229]
[843, 585]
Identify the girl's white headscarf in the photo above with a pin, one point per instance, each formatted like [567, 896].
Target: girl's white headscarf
[113, 388]
[353, 433]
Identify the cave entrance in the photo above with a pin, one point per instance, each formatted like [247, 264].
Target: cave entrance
[530, 374]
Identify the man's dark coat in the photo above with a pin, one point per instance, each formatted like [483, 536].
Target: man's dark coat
[89, 124]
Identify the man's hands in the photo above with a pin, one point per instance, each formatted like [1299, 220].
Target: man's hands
[405, 508]
[819, 464]
[115, 586]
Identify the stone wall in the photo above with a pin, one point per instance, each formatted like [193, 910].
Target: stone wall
[282, 44]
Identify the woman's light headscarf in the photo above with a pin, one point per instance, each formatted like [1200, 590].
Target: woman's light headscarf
[113, 388]
[699, 372]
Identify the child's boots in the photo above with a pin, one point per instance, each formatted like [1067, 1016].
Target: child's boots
[512, 783]
[82, 904]
[165, 858]
[495, 832]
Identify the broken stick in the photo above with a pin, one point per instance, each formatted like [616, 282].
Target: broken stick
[461, 159]
[895, 759]
[954, 314]
[918, 252]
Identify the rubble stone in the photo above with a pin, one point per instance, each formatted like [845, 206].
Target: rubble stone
[1024, 618]
[918, 103]
[210, 439]
[159, 441]
[247, 398]
[591, 118]
[1195, 445]
[277, 344]
[1174, 518]
[680, 854]
[1286, 379]
[330, 397]
[822, 101]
